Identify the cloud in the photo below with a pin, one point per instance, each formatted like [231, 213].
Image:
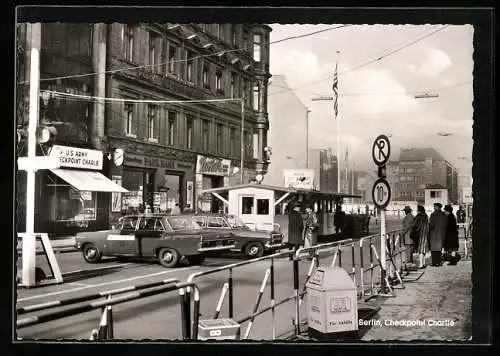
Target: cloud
[434, 63]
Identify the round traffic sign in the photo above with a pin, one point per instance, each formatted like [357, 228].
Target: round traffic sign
[381, 150]
[381, 193]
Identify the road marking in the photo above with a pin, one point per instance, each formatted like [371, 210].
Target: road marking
[79, 284]
[98, 268]
[103, 284]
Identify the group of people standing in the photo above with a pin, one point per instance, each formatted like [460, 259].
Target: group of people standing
[302, 230]
[436, 234]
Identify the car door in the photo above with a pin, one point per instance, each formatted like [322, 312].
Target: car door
[149, 231]
[125, 242]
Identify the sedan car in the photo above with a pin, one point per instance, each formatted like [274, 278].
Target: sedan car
[165, 238]
[252, 243]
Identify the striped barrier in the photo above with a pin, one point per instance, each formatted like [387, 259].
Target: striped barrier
[105, 330]
[85, 298]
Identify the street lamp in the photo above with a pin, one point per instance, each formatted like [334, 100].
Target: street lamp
[307, 137]
[293, 159]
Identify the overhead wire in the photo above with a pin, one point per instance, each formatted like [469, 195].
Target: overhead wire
[181, 60]
[373, 60]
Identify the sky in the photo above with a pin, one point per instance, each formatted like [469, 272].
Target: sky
[378, 98]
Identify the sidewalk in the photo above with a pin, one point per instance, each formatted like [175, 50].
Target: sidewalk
[437, 307]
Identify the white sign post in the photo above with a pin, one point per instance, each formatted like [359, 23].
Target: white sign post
[381, 194]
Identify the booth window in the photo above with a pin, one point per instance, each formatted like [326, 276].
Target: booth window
[246, 205]
[262, 206]
[73, 205]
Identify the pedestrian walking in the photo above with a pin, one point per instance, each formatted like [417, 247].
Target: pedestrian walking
[461, 215]
[422, 234]
[408, 225]
[451, 239]
[437, 233]
[310, 227]
[295, 228]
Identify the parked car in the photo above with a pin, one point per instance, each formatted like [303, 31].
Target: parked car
[252, 243]
[165, 238]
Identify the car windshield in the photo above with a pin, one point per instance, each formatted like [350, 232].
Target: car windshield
[236, 223]
[183, 223]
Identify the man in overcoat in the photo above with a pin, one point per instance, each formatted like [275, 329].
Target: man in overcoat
[295, 228]
[437, 233]
[408, 224]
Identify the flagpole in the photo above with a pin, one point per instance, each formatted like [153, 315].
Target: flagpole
[337, 127]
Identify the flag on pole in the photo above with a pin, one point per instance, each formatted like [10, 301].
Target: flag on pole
[335, 91]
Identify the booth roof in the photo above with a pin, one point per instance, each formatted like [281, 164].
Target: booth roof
[280, 189]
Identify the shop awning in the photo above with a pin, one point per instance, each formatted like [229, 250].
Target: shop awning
[88, 181]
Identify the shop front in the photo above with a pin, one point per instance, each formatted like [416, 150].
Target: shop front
[211, 172]
[155, 184]
[75, 196]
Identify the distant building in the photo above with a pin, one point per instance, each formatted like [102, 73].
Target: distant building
[435, 193]
[364, 185]
[416, 169]
[328, 173]
[464, 184]
[287, 128]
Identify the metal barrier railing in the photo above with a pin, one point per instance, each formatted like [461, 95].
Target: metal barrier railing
[85, 298]
[106, 324]
[229, 286]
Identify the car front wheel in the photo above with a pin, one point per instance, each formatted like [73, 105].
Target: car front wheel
[196, 260]
[91, 253]
[254, 250]
[168, 257]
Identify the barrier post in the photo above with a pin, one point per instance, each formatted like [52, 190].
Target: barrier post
[187, 312]
[196, 313]
[257, 302]
[296, 291]
[340, 255]
[390, 252]
[230, 296]
[361, 268]
[273, 312]
[382, 249]
[372, 286]
[221, 300]
[110, 320]
[353, 264]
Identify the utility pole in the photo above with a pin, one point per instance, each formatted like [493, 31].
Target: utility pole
[242, 100]
[29, 241]
[307, 138]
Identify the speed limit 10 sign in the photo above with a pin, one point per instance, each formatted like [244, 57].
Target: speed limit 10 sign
[381, 193]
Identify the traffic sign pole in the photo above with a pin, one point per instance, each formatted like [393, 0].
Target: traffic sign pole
[381, 193]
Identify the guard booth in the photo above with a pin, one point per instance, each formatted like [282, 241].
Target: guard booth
[264, 207]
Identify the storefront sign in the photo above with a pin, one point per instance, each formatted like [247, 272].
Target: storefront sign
[116, 198]
[189, 194]
[154, 162]
[77, 157]
[467, 195]
[213, 166]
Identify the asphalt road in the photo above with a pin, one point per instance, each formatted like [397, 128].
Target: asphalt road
[159, 317]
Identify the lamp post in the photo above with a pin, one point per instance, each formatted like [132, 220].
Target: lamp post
[307, 137]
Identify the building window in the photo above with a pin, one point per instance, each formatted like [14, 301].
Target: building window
[262, 206]
[189, 67]
[129, 118]
[152, 51]
[232, 142]
[245, 40]
[171, 59]
[189, 132]
[257, 44]
[256, 97]
[172, 118]
[128, 42]
[220, 147]
[218, 82]
[246, 205]
[205, 136]
[233, 81]
[234, 38]
[152, 115]
[255, 145]
[206, 82]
